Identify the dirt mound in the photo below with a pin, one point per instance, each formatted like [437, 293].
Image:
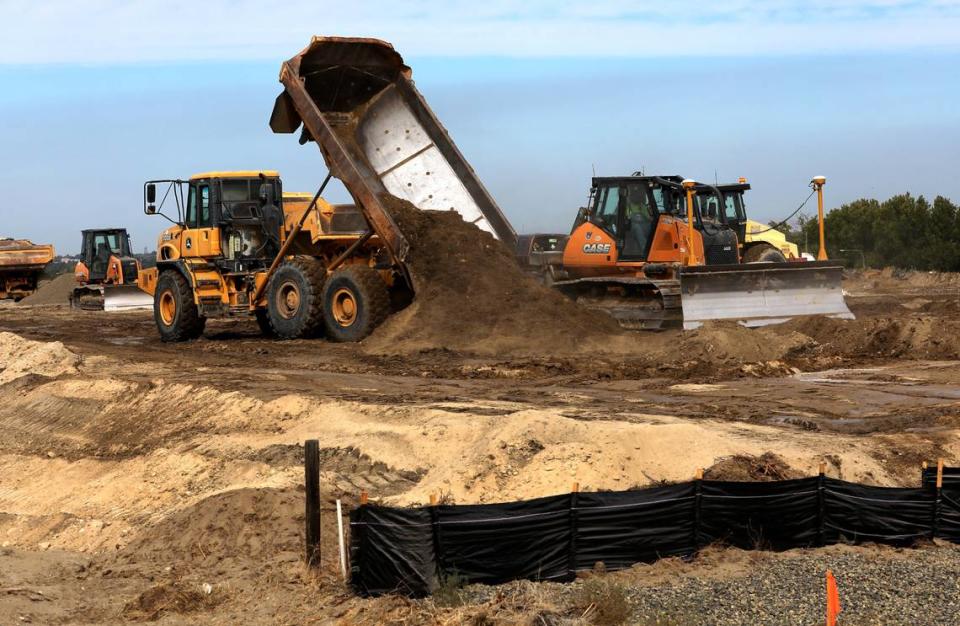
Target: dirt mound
[728, 341]
[235, 527]
[472, 296]
[53, 292]
[22, 357]
[913, 336]
[741, 467]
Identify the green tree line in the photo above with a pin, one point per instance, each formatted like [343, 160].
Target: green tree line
[904, 231]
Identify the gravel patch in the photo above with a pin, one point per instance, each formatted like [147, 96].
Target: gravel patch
[878, 585]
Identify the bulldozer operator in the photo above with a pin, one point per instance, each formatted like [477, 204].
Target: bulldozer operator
[638, 221]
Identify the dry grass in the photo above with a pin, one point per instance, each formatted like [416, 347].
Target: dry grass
[602, 601]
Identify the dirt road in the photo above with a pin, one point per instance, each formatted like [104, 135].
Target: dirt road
[132, 472]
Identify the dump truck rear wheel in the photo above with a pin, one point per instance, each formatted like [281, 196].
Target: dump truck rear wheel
[294, 295]
[355, 302]
[263, 321]
[174, 310]
[764, 254]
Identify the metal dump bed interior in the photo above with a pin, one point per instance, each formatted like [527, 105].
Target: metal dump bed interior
[383, 136]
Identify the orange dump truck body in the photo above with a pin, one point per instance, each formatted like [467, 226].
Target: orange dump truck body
[21, 263]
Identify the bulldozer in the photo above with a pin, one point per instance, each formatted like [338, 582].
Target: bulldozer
[21, 263]
[647, 251]
[107, 273]
[240, 246]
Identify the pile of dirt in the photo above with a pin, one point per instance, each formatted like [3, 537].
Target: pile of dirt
[742, 467]
[912, 336]
[237, 528]
[22, 357]
[726, 341]
[472, 296]
[53, 292]
[895, 280]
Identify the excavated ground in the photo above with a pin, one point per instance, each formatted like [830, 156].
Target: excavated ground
[146, 481]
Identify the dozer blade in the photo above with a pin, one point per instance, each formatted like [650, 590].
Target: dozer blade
[757, 294]
[125, 298]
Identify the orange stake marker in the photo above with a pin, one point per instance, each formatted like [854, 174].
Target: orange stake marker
[833, 600]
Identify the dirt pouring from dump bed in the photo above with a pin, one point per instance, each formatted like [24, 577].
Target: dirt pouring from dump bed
[472, 296]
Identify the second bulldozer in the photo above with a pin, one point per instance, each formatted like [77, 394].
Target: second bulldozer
[107, 273]
[647, 252]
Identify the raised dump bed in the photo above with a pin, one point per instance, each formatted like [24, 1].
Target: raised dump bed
[21, 263]
[356, 99]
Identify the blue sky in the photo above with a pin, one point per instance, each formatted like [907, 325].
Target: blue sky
[98, 96]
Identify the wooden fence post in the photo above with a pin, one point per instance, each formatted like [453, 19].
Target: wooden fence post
[311, 470]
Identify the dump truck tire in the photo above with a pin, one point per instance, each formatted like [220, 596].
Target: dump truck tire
[764, 254]
[263, 321]
[174, 310]
[294, 299]
[355, 302]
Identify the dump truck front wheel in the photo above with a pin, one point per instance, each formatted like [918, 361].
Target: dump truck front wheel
[764, 254]
[294, 298]
[174, 310]
[355, 302]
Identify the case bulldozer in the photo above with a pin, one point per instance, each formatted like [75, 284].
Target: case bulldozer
[107, 273]
[649, 251]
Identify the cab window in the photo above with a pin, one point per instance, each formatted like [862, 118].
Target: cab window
[107, 242]
[605, 214]
[204, 218]
[731, 207]
[191, 217]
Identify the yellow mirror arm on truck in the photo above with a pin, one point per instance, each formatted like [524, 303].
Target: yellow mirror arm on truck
[288, 242]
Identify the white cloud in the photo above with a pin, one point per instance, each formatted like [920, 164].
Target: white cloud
[112, 31]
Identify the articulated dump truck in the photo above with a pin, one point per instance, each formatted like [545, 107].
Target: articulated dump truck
[21, 263]
[242, 246]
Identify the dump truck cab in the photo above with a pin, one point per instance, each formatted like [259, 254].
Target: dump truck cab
[232, 219]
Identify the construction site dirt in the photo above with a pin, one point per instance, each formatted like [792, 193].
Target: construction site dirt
[153, 481]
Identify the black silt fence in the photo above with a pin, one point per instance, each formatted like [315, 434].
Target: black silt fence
[410, 550]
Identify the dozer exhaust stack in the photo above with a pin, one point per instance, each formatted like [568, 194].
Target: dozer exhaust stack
[757, 294]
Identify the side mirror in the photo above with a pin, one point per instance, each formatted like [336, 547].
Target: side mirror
[149, 206]
[266, 193]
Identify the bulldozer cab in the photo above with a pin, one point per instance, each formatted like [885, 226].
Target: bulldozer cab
[631, 209]
[99, 246]
[628, 210]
